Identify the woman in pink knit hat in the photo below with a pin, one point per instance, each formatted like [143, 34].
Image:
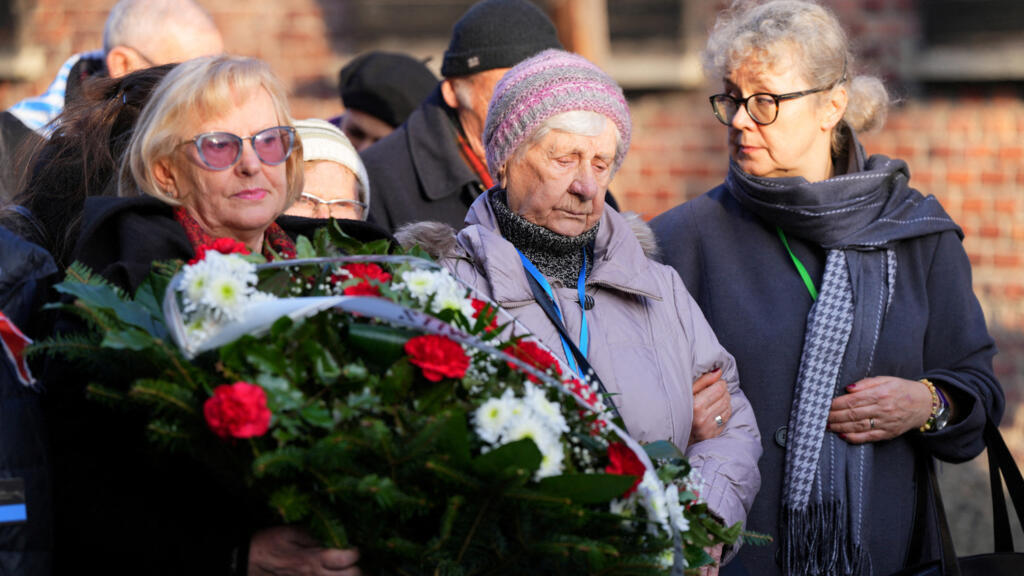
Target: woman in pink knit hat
[581, 278]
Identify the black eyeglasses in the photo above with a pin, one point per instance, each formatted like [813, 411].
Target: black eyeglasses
[222, 150]
[763, 108]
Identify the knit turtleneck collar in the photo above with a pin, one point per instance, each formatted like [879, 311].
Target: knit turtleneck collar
[558, 257]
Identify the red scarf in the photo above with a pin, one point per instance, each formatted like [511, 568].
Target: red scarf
[274, 238]
[475, 163]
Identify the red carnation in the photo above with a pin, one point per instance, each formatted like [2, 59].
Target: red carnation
[534, 355]
[222, 245]
[485, 308]
[365, 271]
[238, 410]
[437, 356]
[624, 463]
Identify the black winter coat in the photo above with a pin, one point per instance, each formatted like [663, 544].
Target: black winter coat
[122, 506]
[417, 172]
[740, 274]
[26, 271]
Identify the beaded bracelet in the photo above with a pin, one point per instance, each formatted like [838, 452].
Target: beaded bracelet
[935, 405]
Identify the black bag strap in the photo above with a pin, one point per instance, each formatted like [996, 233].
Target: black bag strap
[548, 305]
[1002, 465]
[948, 561]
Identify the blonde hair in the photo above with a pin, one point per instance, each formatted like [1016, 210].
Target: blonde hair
[195, 91]
[752, 31]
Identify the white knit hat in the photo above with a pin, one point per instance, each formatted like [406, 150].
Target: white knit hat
[322, 140]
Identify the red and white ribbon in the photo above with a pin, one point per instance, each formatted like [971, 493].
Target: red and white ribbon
[14, 343]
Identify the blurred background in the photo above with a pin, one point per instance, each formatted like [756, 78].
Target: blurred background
[956, 68]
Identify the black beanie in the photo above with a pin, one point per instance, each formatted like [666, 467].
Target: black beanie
[497, 34]
[385, 85]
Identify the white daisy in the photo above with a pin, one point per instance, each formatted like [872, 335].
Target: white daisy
[652, 497]
[491, 418]
[675, 509]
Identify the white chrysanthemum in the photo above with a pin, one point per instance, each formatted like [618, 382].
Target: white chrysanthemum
[666, 558]
[625, 507]
[491, 418]
[529, 426]
[552, 459]
[420, 284]
[193, 285]
[226, 295]
[199, 329]
[652, 496]
[450, 295]
[675, 509]
[546, 410]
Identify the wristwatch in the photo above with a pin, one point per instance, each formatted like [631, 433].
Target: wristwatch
[941, 417]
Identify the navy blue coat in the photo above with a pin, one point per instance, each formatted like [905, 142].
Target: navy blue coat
[740, 274]
[26, 271]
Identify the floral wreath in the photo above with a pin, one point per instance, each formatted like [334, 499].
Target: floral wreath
[354, 383]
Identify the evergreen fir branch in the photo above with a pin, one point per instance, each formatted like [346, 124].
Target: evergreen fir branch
[472, 530]
[328, 529]
[451, 514]
[105, 395]
[169, 434]
[755, 538]
[184, 370]
[291, 503]
[447, 473]
[279, 463]
[82, 274]
[163, 394]
[403, 548]
[72, 346]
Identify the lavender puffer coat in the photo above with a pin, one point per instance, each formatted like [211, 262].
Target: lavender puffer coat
[649, 341]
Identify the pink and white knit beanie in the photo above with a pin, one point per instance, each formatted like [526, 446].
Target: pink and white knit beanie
[548, 84]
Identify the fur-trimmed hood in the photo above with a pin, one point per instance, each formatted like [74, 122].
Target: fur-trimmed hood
[439, 239]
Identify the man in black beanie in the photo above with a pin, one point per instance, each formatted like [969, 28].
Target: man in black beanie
[432, 167]
[379, 91]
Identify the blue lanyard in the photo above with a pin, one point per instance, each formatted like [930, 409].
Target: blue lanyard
[581, 290]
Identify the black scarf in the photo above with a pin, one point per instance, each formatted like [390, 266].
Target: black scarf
[857, 218]
[558, 257]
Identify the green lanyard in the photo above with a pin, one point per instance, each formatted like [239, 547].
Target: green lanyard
[799, 265]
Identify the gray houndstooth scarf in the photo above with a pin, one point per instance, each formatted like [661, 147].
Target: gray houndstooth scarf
[858, 218]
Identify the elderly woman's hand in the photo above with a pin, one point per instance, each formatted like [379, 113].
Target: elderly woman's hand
[880, 408]
[716, 553]
[711, 406]
[286, 550]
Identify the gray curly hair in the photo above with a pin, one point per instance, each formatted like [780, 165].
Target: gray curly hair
[763, 32]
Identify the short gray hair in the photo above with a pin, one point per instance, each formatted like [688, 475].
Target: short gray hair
[753, 30]
[141, 23]
[578, 122]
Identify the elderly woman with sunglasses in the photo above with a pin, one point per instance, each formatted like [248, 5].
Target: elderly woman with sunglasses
[215, 156]
[844, 294]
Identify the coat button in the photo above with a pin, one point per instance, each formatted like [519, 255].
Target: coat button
[780, 436]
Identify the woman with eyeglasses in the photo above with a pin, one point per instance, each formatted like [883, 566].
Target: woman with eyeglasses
[336, 183]
[844, 294]
[214, 155]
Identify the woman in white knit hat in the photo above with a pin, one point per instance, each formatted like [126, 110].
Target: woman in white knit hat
[336, 182]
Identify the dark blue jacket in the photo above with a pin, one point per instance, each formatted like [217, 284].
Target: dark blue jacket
[26, 271]
[740, 274]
